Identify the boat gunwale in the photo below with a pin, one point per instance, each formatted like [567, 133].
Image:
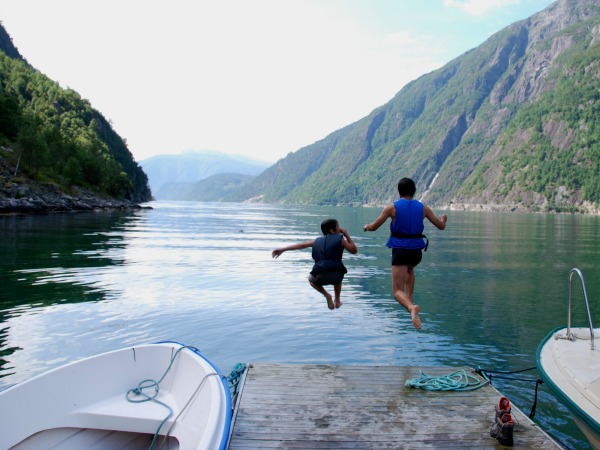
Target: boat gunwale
[577, 411]
[228, 404]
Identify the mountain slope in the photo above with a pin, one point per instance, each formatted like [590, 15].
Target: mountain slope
[511, 124]
[52, 135]
[220, 187]
[7, 46]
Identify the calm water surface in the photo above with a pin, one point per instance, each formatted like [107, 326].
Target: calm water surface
[491, 287]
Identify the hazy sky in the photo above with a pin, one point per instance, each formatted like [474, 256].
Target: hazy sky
[260, 78]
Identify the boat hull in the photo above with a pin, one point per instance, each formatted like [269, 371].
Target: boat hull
[93, 398]
[571, 369]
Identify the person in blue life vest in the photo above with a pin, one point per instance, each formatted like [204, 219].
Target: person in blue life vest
[327, 252]
[407, 242]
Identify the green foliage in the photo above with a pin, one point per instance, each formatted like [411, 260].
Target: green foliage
[10, 117]
[59, 137]
[570, 111]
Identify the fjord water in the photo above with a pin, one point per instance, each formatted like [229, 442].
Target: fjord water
[491, 287]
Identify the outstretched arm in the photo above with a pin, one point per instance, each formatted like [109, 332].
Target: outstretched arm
[279, 251]
[439, 222]
[348, 243]
[385, 214]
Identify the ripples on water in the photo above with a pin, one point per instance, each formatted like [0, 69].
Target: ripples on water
[491, 286]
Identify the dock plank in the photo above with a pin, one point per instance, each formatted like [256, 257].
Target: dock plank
[303, 406]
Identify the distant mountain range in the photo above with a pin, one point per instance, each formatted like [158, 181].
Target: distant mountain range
[182, 176]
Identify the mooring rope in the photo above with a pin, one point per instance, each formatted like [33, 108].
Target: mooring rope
[458, 380]
[184, 408]
[137, 394]
[498, 374]
[501, 374]
[234, 377]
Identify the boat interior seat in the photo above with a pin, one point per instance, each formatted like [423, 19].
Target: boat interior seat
[117, 413]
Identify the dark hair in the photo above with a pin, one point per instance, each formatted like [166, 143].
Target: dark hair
[328, 225]
[406, 187]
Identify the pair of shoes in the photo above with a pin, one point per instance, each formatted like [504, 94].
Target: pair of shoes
[504, 425]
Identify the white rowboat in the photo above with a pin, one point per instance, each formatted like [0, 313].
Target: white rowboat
[163, 395]
[569, 364]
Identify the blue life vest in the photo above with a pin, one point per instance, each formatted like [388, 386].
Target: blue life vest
[327, 252]
[406, 230]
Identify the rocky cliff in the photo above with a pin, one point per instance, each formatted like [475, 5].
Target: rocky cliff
[512, 124]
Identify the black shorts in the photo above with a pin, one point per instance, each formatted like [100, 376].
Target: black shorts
[329, 277]
[406, 257]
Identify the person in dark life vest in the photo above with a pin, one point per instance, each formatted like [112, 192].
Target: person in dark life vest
[407, 242]
[327, 252]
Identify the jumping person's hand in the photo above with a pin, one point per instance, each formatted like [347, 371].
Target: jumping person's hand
[277, 252]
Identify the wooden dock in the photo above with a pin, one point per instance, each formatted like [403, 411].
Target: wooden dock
[289, 406]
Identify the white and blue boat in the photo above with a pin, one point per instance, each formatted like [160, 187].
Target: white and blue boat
[569, 363]
[164, 395]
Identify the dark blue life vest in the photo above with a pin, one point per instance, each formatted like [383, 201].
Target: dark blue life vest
[327, 252]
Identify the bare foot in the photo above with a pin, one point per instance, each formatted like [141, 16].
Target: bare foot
[414, 315]
[338, 303]
[329, 301]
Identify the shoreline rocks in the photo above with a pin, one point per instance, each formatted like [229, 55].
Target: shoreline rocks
[62, 203]
[32, 197]
[22, 195]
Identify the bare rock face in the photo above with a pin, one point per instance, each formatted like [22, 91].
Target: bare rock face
[518, 74]
[542, 43]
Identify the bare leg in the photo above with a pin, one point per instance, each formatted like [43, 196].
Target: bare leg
[410, 281]
[400, 280]
[322, 290]
[337, 288]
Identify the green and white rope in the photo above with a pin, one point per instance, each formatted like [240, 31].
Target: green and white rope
[458, 380]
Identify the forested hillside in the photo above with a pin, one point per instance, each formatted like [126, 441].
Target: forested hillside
[513, 124]
[52, 135]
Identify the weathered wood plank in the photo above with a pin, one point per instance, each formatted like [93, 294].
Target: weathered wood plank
[365, 407]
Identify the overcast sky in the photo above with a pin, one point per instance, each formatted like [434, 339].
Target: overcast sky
[260, 78]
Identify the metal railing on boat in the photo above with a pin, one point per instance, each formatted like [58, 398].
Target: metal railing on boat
[570, 335]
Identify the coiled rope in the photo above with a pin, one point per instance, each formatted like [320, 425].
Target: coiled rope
[458, 380]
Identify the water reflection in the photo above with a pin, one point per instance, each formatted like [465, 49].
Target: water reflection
[491, 286]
